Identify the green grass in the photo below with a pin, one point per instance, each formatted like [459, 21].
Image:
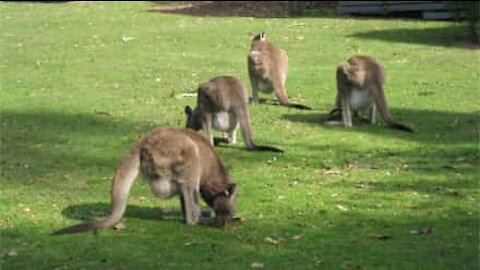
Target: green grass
[360, 198]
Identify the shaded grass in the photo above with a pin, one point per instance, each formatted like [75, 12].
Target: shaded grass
[75, 96]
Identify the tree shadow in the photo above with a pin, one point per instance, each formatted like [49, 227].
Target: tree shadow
[256, 9]
[454, 35]
[37, 144]
[428, 164]
[431, 127]
[43, 2]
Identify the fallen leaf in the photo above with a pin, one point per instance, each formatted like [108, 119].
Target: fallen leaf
[257, 265]
[126, 38]
[12, 253]
[297, 24]
[296, 237]
[352, 267]
[382, 236]
[331, 172]
[271, 240]
[189, 95]
[102, 113]
[342, 208]
[426, 93]
[426, 231]
[366, 184]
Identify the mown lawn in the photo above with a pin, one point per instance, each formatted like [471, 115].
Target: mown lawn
[80, 82]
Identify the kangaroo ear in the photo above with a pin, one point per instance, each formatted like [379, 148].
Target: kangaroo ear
[231, 189]
[263, 35]
[188, 110]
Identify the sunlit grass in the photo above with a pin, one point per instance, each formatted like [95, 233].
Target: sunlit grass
[80, 82]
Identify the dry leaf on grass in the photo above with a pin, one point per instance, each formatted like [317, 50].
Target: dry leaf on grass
[257, 265]
[330, 172]
[270, 240]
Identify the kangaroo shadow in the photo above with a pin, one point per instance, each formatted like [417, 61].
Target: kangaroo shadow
[89, 211]
[442, 127]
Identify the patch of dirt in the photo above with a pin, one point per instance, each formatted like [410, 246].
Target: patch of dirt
[233, 8]
[226, 8]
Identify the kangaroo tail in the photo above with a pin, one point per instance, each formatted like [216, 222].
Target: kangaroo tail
[89, 226]
[334, 114]
[262, 148]
[399, 126]
[219, 140]
[122, 182]
[299, 106]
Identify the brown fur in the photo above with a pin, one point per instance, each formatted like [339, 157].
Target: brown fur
[267, 69]
[222, 104]
[174, 162]
[360, 82]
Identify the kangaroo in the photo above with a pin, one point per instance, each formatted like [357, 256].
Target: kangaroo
[173, 162]
[222, 104]
[267, 69]
[360, 83]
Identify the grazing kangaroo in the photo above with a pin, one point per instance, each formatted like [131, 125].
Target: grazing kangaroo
[174, 162]
[222, 104]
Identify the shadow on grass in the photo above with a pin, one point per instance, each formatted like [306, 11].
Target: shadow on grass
[451, 173]
[90, 211]
[41, 2]
[257, 9]
[455, 35]
[328, 232]
[37, 144]
[431, 127]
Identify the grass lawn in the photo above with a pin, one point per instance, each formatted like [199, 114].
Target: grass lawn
[80, 82]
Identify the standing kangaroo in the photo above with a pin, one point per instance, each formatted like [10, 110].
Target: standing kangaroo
[360, 83]
[267, 69]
